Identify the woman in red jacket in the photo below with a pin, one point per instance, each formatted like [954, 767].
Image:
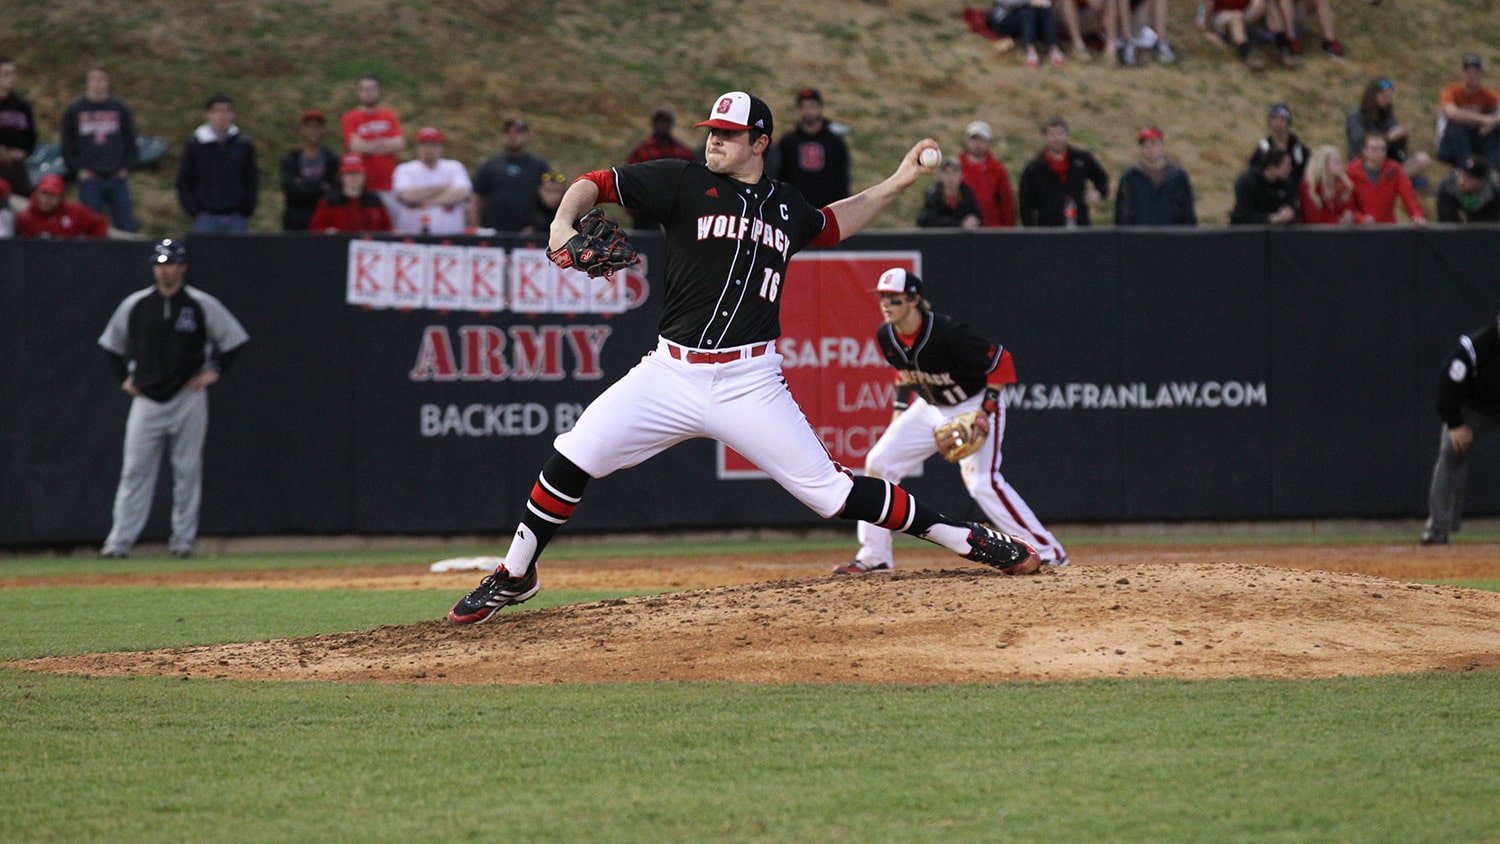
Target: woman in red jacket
[1379, 182]
[352, 209]
[1327, 191]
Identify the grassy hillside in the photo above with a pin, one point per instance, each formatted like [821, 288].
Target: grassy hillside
[587, 74]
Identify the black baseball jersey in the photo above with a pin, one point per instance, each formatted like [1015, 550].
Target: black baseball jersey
[164, 341]
[728, 244]
[946, 362]
[1472, 377]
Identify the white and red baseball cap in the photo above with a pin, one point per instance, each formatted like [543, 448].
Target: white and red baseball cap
[739, 110]
[429, 135]
[898, 280]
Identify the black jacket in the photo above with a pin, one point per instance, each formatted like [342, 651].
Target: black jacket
[1472, 376]
[1484, 207]
[18, 131]
[816, 164]
[1295, 150]
[1256, 198]
[218, 175]
[937, 213]
[304, 186]
[1140, 201]
[1043, 200]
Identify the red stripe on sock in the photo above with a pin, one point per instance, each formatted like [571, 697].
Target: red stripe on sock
[900, 510]
[547, 502]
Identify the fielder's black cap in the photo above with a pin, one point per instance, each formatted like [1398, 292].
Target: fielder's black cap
[898, 280]
[739, 110]
[170, 250]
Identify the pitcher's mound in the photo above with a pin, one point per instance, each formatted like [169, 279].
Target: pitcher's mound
[970, 625]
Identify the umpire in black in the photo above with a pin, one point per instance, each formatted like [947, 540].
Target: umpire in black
[1469, 403]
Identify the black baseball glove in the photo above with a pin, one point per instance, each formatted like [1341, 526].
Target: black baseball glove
[598, 249]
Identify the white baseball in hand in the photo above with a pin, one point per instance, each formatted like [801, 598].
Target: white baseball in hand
[929, 157]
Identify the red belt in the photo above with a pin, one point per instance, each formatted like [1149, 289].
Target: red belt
[690, 356]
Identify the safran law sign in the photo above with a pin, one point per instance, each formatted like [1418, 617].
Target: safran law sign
[441, 277]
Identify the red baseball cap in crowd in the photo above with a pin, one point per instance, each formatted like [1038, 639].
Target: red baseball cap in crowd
[898, 280]
[429, 135]
[311, 115]
[352, 164]
[1149, 132]
[738, 110]
[51, 183]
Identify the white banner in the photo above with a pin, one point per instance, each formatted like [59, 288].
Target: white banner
[438, 277]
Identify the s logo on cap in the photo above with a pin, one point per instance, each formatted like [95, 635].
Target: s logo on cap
[724, 105]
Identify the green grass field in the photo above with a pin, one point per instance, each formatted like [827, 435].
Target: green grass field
[1404, 758]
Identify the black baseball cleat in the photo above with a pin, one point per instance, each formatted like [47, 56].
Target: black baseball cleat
[495, 592]
[1432, 536]
[863, 567]
[1001, 551]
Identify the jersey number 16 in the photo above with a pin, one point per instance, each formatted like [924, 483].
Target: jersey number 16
[770, 286]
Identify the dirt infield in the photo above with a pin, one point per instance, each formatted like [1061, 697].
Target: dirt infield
[1269, 610]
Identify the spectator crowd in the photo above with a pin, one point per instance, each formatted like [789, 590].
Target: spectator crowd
[1284, 182]
[366, 180]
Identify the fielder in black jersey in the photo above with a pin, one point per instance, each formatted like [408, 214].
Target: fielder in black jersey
[715, 372]
[943, 369]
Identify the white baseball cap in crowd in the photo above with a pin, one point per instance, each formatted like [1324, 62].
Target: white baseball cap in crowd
[898, 280]
[980, 128]
[739, 110]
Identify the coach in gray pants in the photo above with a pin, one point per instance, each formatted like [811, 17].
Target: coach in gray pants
[1469, 402]
[168, 343]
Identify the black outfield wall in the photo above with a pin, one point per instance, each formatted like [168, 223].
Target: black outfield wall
[1217, 374]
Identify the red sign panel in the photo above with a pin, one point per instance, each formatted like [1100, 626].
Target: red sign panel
[833, 364]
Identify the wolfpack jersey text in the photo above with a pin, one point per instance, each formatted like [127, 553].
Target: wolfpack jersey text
[945, 363]
[729, 241]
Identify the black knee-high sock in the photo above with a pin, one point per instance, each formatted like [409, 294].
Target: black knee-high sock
[886, 505]
[553, 499]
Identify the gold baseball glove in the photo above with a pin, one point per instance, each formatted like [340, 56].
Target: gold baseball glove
[962, 435]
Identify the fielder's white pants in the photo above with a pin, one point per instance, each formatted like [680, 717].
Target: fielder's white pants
[907, 444]
[178, 426]
[744, 404]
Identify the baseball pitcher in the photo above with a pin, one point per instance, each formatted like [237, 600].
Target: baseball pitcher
[715, 371]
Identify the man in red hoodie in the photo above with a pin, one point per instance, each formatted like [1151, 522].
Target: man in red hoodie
[1379, 182]
[50, 215]
[988, 178]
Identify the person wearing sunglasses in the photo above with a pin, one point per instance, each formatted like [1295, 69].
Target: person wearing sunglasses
[944, 369]
[1376, 114]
